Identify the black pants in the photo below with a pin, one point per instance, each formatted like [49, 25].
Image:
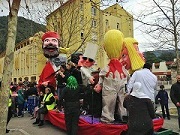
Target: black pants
[41, 112]
[163, 107]
[93, 102]
[178, 111]
[9, 114]
[72, 112]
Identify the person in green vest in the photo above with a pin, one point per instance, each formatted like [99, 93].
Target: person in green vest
[47, 104]
[9, 111]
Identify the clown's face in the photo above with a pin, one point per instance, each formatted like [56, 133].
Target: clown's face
[50, 47]
[125, 60]
[87, 62]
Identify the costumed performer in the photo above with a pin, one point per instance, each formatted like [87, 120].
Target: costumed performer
[112, 78]
[50, 48]
[89, 56]
[70, 100]
[87, 63]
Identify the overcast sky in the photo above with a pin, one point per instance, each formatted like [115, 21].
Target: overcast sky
[132, 6]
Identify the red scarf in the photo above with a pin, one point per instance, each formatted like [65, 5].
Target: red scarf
[114, 65]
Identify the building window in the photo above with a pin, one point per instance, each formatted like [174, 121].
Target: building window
[156, 65]
[93, 11]
[168, 67]
[94, 36]
[82, 20]
[82, 36]
[81, 6]
[107, 23]
[94, 23]
[118, 26]
[15, 80]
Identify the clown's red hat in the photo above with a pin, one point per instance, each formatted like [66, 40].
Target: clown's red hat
[50, 34]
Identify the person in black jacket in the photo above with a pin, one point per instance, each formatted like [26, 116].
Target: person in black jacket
[141, 112]
[32, 98]
[75, 67]
[175, 96]
[61, 77]
[70, 100]
[162, 97]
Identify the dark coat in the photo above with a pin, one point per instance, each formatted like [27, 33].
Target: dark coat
[163, 96]
[61, 82]
[71, 109]
[77, 74]
[141, 112]
[175, 92]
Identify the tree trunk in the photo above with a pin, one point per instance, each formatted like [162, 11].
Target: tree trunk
[8, 63]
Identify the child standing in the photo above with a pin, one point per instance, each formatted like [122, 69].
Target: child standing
[162, 97]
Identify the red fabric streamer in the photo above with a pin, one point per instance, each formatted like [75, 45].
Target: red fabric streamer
[86, 128]
[114, 65]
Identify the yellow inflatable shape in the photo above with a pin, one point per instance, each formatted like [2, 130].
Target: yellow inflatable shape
[113, 43]
[64, 50]
[135, 56]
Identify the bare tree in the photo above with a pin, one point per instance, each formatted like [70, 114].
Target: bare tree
[8, 62]
[161, 22]
[30, 10]
[70, 15]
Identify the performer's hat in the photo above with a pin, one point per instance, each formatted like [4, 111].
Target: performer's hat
[91, 51]
[50, 34]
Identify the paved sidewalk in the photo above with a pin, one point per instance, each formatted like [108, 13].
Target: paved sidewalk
[24, 126]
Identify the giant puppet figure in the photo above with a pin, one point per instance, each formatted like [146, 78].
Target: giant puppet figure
[112, 78]
[50, 48]
[88, 60]
[132, 58]
[92, 101]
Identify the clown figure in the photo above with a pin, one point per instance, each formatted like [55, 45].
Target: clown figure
[113, 78]
[88, 60]
[50, 48]
[132, 58]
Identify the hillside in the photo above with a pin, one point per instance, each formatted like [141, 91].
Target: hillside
[25, 29]
[159, 55]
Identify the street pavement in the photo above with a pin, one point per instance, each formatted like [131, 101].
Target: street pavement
[24, 126]
[173, 122]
